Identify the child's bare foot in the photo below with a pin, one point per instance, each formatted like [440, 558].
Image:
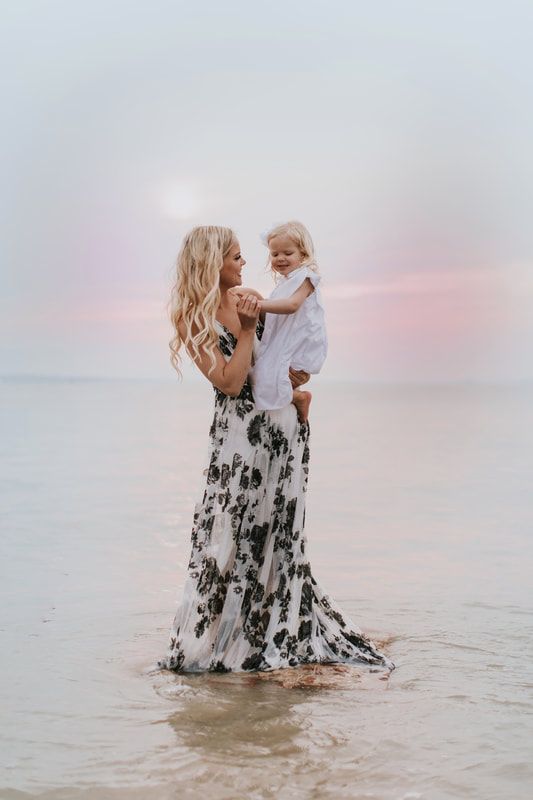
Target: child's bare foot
[302, 401]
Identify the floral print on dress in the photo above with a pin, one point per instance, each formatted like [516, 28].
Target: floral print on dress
[250, 601]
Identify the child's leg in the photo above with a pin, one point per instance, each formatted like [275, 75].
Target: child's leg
[302, 401]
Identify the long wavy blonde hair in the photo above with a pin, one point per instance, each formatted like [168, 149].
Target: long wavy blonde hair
[195, 296]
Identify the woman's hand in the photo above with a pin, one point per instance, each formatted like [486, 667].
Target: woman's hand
[298, 377]
[248, 311]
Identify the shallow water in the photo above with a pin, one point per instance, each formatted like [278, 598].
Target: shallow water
[419, 521]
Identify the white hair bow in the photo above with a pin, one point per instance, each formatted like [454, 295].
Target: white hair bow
[266, 233]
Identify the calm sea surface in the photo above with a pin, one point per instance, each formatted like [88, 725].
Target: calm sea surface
[419, 522]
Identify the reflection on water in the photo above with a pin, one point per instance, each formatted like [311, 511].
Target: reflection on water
[237, 719]
[266, 714]
[419, 523]
[258, 731]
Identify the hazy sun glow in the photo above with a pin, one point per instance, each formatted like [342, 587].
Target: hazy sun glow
[180, 202]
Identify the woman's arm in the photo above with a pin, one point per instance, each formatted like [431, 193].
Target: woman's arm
[229, 376]
[297, 377]
[288, 305]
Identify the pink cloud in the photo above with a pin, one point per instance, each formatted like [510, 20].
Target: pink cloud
[417, 324]
[415, 283]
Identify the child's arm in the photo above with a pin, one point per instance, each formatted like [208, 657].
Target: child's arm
[288, 305]
[242, 291]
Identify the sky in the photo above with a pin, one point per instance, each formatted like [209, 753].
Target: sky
[399, 132]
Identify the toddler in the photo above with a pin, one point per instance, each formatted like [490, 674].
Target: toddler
[295, 333]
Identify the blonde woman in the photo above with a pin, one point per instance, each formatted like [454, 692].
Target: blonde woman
[250, 601]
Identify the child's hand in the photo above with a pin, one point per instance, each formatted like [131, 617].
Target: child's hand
[243, 291]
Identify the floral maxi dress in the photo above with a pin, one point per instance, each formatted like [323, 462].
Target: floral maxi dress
[250, 601]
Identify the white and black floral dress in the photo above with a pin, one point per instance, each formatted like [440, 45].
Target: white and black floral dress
[250, 601]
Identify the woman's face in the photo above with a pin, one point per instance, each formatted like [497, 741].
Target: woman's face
[230, 274]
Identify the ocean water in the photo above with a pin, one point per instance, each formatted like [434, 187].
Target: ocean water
[419, 522]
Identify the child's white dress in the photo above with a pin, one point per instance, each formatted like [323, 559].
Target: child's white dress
[296, 340]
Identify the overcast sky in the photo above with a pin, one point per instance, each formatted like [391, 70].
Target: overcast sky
[400, 133]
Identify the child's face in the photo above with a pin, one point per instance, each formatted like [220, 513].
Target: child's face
[285, 256]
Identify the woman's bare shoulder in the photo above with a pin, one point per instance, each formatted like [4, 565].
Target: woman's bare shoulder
[185, 333]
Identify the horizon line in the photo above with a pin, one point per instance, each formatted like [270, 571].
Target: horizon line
[37, 378]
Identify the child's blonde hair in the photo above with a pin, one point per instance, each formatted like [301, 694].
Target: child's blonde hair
[195, 296]
[300, 236]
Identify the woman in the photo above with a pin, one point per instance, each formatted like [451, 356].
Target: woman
[250, 601]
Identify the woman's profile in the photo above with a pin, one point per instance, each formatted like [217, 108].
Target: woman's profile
[250, 601]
